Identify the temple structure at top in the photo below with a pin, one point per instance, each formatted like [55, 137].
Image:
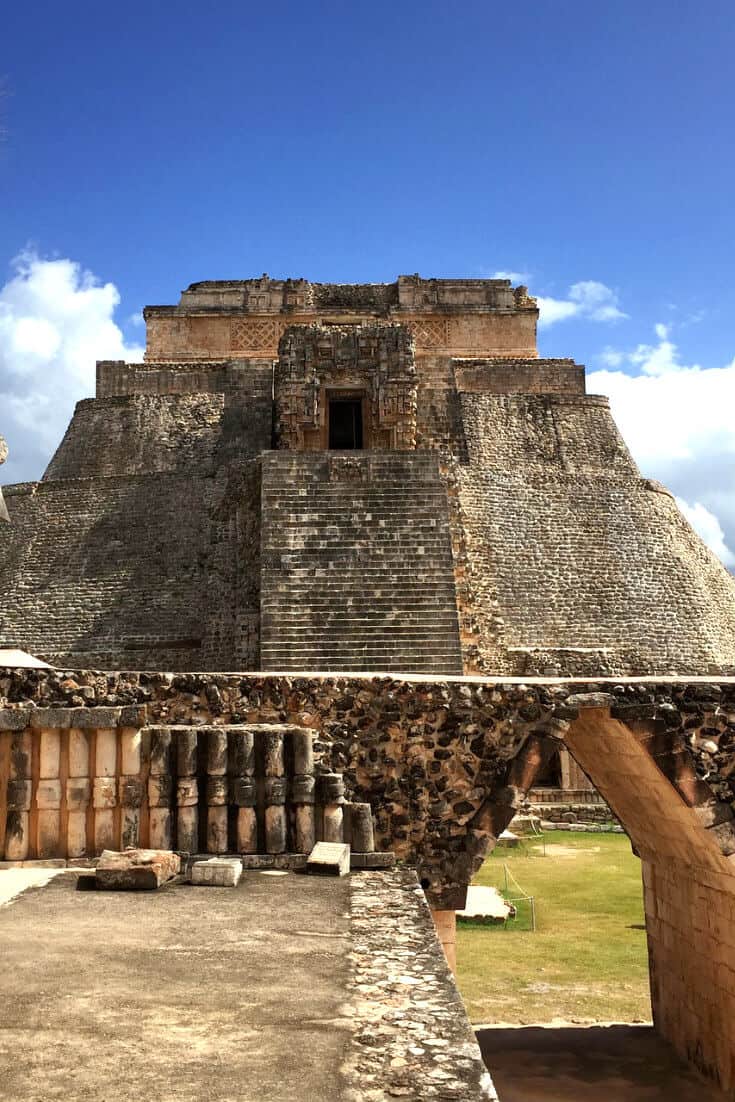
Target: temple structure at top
[358, 477]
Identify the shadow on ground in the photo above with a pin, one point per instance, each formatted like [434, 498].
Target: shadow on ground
[616, 1063]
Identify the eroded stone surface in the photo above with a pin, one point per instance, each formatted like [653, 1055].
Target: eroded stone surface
[217, 872]
[412, 1038]
[329, 859]
[136, 870]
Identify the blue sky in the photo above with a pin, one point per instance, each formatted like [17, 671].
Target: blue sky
[584, 147]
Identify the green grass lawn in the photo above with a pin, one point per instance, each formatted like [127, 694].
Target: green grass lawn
[587, 959]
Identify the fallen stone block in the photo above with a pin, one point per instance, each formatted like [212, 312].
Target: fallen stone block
[375, 860]
[257, 862]
[217, 872]
[136, 870]
[329, 859]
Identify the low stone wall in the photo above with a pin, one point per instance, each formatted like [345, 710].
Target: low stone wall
[446, 764]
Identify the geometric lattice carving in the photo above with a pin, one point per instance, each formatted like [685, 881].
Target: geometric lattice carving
[429, 332]
[254, 334]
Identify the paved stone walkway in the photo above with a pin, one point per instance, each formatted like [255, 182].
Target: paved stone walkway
[286, 987]
[186, 994]
[616, 1063]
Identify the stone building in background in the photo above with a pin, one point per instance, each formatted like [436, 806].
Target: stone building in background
[304, 478]
[355, 477]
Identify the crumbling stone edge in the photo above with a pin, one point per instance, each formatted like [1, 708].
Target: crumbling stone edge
[412, 1038]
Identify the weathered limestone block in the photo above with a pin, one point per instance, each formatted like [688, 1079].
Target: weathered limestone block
[130, 797]
[78, 793]
[329, 859]
[217, 872]
[160, 789]
[104, 792]
[217, 791]
[48, 795]
[187, 792]
[244, 792]
[362, 839]
[17, 831]
[275, 791]
[332, 791]
[302, 790]
[136, 870]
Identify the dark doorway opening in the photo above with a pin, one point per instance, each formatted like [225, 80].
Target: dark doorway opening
[345, 424]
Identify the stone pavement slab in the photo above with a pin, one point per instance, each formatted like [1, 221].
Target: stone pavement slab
[284, 987]
[179, 994]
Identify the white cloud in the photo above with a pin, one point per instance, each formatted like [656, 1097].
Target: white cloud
[589, 299]
[514, 277]
[678, 421]
[611, 357]
[137, 319]
[56, 320]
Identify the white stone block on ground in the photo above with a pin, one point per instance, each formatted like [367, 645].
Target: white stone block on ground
[484, 903]
[329, 859]
[217, 872]
[509, 839]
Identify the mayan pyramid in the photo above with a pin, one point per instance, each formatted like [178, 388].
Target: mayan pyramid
[309, 476]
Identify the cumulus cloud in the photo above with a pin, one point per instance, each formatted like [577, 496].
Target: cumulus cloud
[56, 320]
[678, 420]
[514, 277]
[588, 300]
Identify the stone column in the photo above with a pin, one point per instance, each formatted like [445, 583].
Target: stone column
[17, 834]
[48, 793]
[302, 790]
[78, 793]
[445, 923]
[361, 828]
[187, 792]
[160, 789]
[130, 789]
[217, 792]
[244, 793]
[104, 796]
[275, 793]
[332, 788]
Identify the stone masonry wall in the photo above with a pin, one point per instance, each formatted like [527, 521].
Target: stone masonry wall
[577, 564]
[139, 435]
[118, 379]
[147, 570]
[445, 764]
[108, 570]
[501, 375]
[689, 882]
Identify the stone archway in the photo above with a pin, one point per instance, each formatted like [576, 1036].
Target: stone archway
[684, 835]
[684, 838]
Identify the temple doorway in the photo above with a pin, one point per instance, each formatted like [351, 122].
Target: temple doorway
[345, 424]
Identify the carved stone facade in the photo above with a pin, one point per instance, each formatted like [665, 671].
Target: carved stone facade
[216, 319]
[371, 364]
